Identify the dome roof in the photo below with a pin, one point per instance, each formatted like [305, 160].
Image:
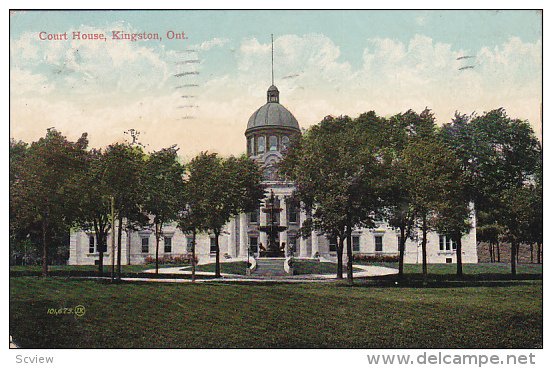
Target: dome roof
[272, 114]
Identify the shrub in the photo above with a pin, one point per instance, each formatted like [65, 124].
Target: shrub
[376, 258]
[171, 259]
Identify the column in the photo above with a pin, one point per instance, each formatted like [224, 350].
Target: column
[232, 237]
[302, 241]
[283, 222]
[314, 247]
[263, 220]
[244, 241]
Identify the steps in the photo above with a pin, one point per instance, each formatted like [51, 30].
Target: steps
[270, 267]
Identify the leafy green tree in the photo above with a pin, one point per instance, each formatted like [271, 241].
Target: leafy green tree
[432, 170]
[43, 193]
[162, 185]
[499, 155]
[94, 201]
[398, 209]
[336, 167]
[123, 174]
[228, 186]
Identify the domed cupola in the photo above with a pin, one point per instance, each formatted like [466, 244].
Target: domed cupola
[269, 132]
[273, 95]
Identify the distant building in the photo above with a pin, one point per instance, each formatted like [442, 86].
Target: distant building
[269, 131]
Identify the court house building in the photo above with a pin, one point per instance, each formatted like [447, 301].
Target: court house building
[269, 131]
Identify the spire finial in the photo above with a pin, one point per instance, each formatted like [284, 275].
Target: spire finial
[272, 37]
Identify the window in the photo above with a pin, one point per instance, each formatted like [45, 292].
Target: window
[254, 217]
[189, 243]
[273, 143]
[379, 243]
[356, 243]
[285, 142]
[145, 245]
[213, 246]
[333, 244]
[254, 244]
[251, 146]
[293, 213]
[446, 243]
[91, 244]
[168, 244]
[398, 243]
[261, 144]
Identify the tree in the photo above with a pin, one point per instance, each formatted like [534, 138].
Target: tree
[94, 201]
[43, 192]
[123, 174]
[398, 210]
[499, 155]
[162, 183]
[336, 166]
[432, 173]
[228, 187]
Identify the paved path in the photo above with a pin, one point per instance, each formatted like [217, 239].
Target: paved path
[367, 271]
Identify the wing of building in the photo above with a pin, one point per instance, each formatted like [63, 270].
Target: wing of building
[269, 130]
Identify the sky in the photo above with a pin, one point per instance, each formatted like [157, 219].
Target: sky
[325, 63]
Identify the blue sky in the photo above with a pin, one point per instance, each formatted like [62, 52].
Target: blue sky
[326, 62]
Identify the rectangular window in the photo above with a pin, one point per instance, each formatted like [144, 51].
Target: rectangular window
[398, 243]
[333, 244]
[91, 244]
[145, 245]
[254, 217]
[379, 243]
[293, 213]
[254, 244]
[356, 243]
[168, 244]
[442, 241]
[213, 247]
[452, 244]
[189, 243]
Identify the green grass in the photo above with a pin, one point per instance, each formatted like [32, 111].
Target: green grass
[236, 268]
[502, 314]
[308, 267]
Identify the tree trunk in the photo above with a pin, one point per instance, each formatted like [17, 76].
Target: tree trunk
[349, 256]
[157, 236]
[44, 250]
[119, 241]
[424, 249]
[531, 250]
[99, 245]
[340, 258]
[217, 256]
[459, 271]
[401, 252]
[538, 252]
[491, 255]
[513, 252]
[193, 255]
[498, 251]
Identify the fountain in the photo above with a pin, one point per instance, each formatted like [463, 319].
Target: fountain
[272, 229]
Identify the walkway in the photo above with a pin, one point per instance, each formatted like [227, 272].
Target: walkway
[367, 271]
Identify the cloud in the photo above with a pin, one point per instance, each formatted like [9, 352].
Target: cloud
[215, 42]
[121, 86]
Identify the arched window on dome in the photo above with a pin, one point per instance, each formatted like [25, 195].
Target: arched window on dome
[273, 143]
[251, 146]
[285, 142]
[261, 144]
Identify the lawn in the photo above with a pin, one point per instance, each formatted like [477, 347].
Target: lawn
[308, 267]
[501, 314]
